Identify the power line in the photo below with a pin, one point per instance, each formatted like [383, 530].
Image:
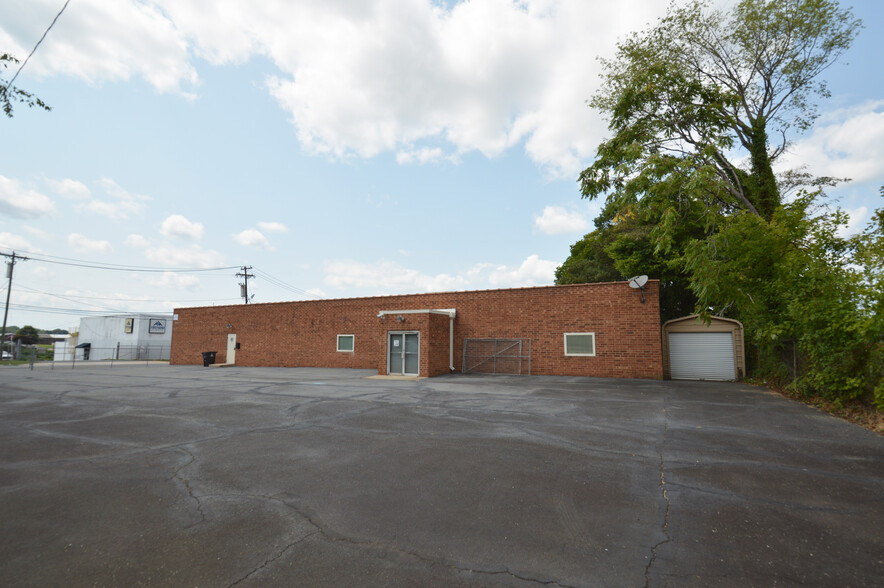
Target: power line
[120, 267]
[78, 311]
[283, 285]
[67, 299]
[130, 300]
[25, 62]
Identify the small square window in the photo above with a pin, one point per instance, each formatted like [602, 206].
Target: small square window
[582, 344]
[346, 342]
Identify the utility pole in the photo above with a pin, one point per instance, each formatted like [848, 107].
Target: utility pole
[244, 287]
[9, 265]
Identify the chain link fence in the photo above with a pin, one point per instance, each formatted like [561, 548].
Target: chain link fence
[109, 355]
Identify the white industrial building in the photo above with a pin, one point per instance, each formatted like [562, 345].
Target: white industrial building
[124, 336]
[63, 347]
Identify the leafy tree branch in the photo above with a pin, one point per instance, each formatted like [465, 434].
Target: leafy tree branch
[10, 94]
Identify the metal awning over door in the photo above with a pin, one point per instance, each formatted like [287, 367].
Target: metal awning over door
[702, 356]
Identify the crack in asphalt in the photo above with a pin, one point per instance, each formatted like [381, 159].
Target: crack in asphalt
[517, 576]
[269, 561]
[335, 536]
[186, 482]
[130, 449]
[665, 527]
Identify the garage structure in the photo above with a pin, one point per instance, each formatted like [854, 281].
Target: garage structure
[601, 330]
[693, 350]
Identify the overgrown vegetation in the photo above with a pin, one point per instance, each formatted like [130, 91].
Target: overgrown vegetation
[691, 195]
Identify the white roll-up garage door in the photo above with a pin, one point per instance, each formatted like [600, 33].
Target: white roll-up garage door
[701, 356]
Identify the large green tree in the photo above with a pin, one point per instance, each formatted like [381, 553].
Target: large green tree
[28, 335]
[692, 104]
[703, 104]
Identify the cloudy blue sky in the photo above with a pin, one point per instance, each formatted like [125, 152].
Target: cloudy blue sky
[339, 147]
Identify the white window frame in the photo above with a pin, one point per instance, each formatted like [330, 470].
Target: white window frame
[580, 354]
[352, 338]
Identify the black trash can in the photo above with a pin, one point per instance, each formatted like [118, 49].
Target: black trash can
[208, 358]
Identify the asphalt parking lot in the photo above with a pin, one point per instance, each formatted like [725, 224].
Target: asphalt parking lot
[191, 476]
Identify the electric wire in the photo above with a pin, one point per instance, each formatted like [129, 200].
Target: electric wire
[120, 267]
[283, 285]
[75, 311]
[28, 58]
[60, 297]
[139, 300]
[100, 310]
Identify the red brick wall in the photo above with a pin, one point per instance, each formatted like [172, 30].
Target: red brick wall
[295, 334]
[438, 348]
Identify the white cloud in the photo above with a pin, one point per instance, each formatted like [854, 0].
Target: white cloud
[856, 219]
[253, 238]
[96, 40]
[272, 227]
[481, 76]
[70, 188]
[19, 201]
[555, 220]
[532, 272]
[387, 277]
[173, 280]
[83, 244]
[846, 143]
[359, 78]
[42, 273]
[137, 241]
[38, 233]
[422, 156]
[11, 241]
[190, 256]
[124, 205]
[179, 227]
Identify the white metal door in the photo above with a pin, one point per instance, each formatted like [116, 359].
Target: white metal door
[702, 356]
[231, 348]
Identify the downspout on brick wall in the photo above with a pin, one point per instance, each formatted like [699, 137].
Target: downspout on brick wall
[451, 341]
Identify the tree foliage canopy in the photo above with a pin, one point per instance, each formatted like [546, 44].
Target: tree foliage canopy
[692, 97]
[11, 94]
[28, 335]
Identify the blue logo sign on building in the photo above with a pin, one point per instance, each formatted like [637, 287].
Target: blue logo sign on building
[157, 326]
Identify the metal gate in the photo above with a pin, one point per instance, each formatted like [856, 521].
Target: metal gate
[497, 356]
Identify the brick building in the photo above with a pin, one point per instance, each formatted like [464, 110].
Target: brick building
[602, 330]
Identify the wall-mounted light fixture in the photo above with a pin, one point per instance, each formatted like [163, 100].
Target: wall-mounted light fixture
[228, 326]
[400, 318]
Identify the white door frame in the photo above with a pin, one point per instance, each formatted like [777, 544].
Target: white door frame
[231, 348]
[389, 335]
